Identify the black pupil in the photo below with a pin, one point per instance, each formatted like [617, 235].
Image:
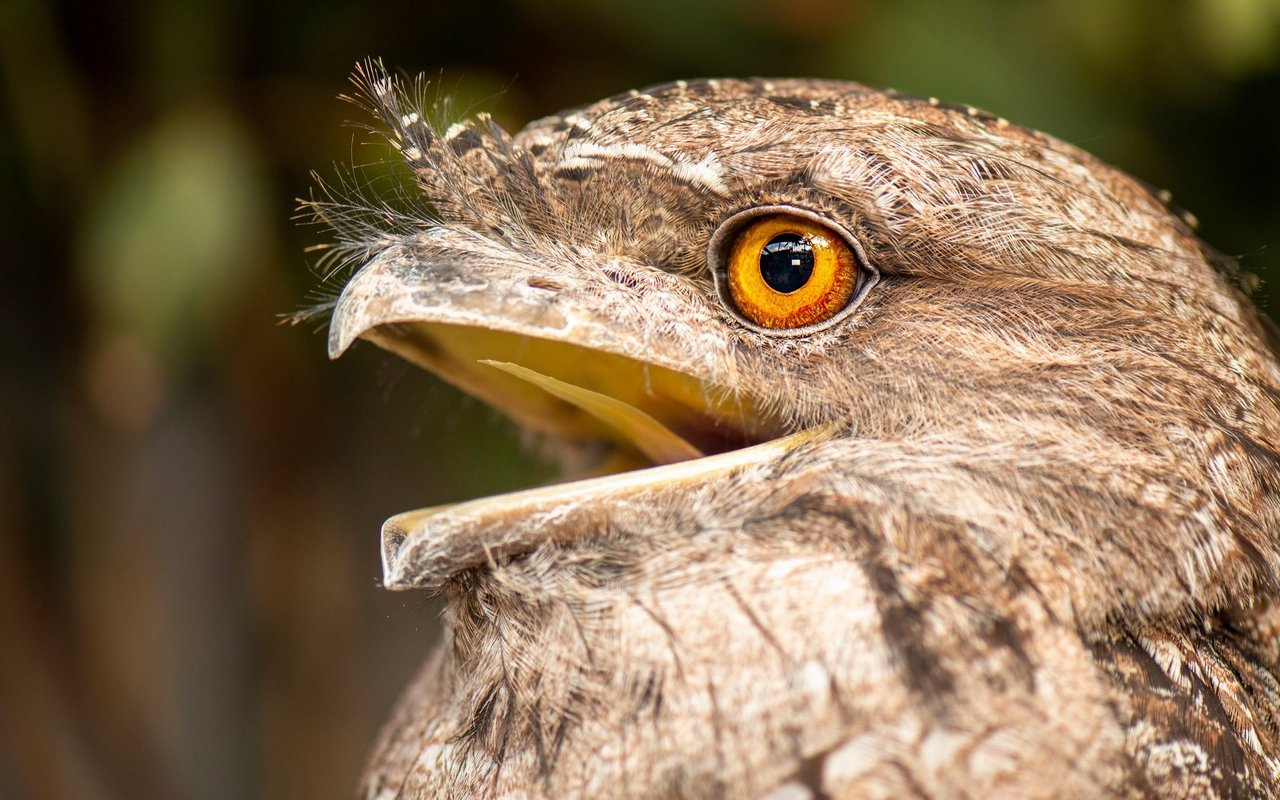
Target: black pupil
[786, 262]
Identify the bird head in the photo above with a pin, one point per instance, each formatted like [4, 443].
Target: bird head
[994, 356]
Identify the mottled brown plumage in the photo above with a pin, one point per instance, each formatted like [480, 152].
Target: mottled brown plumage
[1029, 550]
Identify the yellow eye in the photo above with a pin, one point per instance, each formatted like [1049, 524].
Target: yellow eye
[787, 271]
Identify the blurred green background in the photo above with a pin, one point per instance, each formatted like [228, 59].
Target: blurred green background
[190, 493]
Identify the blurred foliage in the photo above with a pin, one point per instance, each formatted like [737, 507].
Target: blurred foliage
[173, 229]
[189, 492]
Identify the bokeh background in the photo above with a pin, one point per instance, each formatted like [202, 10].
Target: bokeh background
[190, 493]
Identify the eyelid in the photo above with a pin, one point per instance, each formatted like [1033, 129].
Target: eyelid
[721, 242]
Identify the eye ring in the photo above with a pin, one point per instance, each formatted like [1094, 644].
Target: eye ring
[787, 305]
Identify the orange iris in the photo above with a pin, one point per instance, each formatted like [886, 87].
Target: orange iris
[787, 271]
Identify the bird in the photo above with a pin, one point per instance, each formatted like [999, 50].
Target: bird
[909, 452]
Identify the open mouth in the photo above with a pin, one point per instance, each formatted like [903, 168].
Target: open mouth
[648, 413]
[656, 428]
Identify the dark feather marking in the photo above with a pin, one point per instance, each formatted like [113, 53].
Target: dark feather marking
[465, 141]
[1271, 392]
[796, 104]
[575, 174]
[548, 284]
[905, 632]
[717, 730]
[506, 725]
[905, 629]
[1230, 751]
[1261, 563]
[672, 641]
[1005, 633]
[1123, 241]
[540, 753]
[700, 87]
[582, 635]
[701, 113]
[902, 623]
[561, 733]
[913, 783]
[1154, 689]
[992, 169]
[765, 633]
[1251, 445]
[809, 775]
[650, 696]
[481, 718]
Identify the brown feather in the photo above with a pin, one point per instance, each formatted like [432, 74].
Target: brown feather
[1039, 560]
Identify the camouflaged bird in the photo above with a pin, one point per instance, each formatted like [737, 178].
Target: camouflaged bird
[929, 457]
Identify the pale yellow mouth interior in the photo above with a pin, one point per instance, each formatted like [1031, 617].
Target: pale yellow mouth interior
[658, 443]
[667, 430]
[651, 414]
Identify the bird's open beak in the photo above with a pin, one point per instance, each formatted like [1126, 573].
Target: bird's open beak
[561, 363]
